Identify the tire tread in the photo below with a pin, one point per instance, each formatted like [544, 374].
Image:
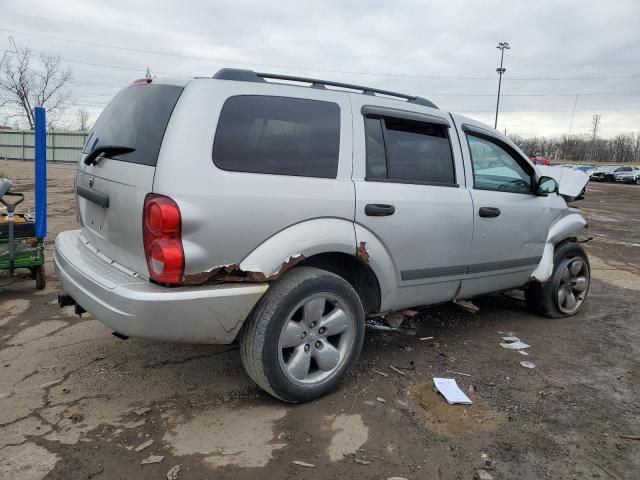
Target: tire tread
[540, 296]
[253, 335]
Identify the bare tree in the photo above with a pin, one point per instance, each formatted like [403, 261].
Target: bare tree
[624, 147]
[84, 123]
[27, 81]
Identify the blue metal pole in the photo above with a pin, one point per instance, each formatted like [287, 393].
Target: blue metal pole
[40, 171]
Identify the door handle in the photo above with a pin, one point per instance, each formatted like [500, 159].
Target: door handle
[489, 212]
[379, 210]
[94, 196]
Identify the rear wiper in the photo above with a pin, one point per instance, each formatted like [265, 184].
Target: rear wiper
[112, 150]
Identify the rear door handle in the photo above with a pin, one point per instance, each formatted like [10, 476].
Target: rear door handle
[489, 212]
[379, 210]
[94, 196]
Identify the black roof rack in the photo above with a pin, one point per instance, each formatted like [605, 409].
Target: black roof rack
[251, 76]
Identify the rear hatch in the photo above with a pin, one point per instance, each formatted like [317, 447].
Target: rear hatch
[110, 194]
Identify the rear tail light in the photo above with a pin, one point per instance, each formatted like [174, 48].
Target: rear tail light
[161, 234]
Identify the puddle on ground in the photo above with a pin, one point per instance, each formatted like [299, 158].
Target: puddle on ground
[453, 419]
[350, 434]
[241, 437]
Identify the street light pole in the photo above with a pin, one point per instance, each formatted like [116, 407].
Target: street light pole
[501, 46]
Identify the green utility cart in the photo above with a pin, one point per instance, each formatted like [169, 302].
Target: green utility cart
[19, 246]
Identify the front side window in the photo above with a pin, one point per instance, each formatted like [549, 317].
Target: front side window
[408, 151]
[278, 135]
[495, 168]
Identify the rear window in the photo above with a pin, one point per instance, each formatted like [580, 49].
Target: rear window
[278, 135]
[137, 117]
[409, 151]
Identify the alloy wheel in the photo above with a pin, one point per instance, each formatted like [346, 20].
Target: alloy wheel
[572, 286]
[316, 339]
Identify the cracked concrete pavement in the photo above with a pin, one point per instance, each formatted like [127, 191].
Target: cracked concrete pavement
[75, 402]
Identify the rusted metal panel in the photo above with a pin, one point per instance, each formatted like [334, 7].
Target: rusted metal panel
[361, 252]
[233, 273]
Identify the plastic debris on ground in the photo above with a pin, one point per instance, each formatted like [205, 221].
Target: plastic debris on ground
[144, 445]
[174, 472]
[449, 389]
[468, 305]
[526, 364]
[482, 474]
[152, 459]
[394, 320]
[375, 324]
[513, 343]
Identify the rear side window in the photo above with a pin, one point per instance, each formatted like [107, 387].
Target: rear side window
[278, 135]
[137, 117]
[409, 151]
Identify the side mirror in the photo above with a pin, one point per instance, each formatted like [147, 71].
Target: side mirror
[546, 185]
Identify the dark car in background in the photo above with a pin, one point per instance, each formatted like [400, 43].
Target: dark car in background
[599, 173]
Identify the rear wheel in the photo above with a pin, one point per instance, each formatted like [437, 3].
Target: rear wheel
[41, 281]
[565, 292]
[304, 335]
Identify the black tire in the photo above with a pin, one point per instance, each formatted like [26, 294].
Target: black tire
[542, 297]
[260, 337]
[41, 281]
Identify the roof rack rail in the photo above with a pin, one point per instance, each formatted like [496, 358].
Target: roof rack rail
[251, 76]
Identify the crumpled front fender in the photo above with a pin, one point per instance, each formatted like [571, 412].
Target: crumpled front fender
[567, 227]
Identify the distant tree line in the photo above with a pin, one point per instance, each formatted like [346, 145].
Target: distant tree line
[582, 148]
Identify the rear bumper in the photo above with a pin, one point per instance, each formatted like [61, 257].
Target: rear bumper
[137, 308]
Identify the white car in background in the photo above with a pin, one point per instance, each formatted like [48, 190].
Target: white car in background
[627, 176]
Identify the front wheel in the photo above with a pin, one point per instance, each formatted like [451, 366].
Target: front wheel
[566, 291]
[304, 335]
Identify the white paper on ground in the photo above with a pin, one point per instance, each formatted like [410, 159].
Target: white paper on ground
[519, 345]
[450, 390]
[511, 339]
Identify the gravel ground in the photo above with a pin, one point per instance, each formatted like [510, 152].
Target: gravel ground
[76, 402]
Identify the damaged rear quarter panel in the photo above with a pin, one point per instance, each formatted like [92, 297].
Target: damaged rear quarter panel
[229, 216]
[282, 251]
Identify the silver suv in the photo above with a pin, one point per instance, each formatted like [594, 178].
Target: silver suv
[281, 211]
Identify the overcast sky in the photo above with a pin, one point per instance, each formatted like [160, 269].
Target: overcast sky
[445, 51]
